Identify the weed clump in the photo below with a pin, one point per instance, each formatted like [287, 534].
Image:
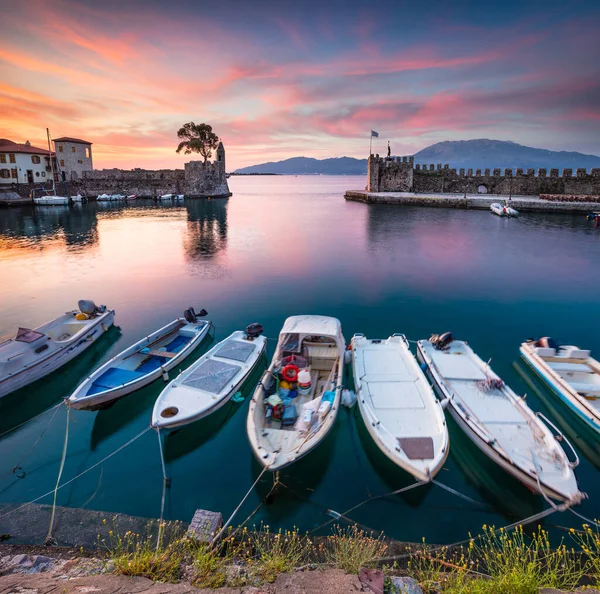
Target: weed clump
[351, 548]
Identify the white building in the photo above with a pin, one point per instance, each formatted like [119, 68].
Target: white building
[74, 156]
[23, 164]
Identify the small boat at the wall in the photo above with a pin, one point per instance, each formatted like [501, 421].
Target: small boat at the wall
[209, 383]
[171, 197]
[398, 406]
[111, 197]
[35, 353]
[571, 373]
[51, 200]
[285, 422]
[498, 421]
[503, 210]
[142, 363]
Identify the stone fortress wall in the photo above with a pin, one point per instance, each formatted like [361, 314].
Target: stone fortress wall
[196, 180]
[401, 174]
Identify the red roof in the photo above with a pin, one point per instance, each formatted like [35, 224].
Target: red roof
[8, 146]
[69, 139]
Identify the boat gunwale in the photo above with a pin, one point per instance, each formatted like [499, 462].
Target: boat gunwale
[131, 350]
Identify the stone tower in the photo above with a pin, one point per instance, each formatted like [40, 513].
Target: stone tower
[220, 156]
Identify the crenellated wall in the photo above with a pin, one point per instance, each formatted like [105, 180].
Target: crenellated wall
[401, 174]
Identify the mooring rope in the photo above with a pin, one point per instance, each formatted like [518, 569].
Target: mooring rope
[523, 522]
[235, 511]
[31, 419]
[17, 466]
[49, 539]
[587, 520]
[79, 475]
[164, 491]
[459, 494]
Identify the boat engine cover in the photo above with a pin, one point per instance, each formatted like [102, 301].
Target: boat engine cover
[442, 341]
[87, 306]
[254, 330]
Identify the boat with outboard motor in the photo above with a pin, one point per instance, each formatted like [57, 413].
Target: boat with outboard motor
[210, 382]
[570, 372]
[503, 210]
[398, 406]
[498, 421]
[297, 400]
[176, 197]
[35, 353]
[142, 363]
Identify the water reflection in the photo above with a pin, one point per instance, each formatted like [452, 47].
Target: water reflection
[206, 232]
[77, 225]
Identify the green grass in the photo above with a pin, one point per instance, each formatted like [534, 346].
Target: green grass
[351, 548]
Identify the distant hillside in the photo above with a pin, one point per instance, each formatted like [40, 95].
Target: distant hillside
[475, 154]
[483, 153]
[307, 166]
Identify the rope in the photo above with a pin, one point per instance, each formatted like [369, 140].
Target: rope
[338, 515]
[17, 466]
[523, 522]
[31, 419]
[79, 475]
[49, 539]
[584, 518]
[235, 511]
[461, 495]
[164, 491]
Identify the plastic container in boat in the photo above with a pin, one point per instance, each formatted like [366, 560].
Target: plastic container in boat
[304, 384]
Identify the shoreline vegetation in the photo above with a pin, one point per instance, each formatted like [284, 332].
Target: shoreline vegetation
[495, 561]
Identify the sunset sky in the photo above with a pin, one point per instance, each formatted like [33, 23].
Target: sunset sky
[277, 79]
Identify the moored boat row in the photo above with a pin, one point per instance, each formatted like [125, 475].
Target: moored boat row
[296, 402]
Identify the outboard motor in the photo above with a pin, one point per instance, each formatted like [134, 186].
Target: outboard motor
[88, 307]
[254, 330]
[191, 316]
[442, 341]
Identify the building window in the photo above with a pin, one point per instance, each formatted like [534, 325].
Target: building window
[37, 173]
[4, 173]
[35, 159]
[73, 149]
[60, 148]
[43, 174]
[62, 163]
[13, 173]
[87, 152]
[2, 158]
[80, 161]
[12, 158]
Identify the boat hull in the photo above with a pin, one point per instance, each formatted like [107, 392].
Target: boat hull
[508, 465]
[377, 426]
[81, 401]
[564, 396]
[158, 422]
[60, 357]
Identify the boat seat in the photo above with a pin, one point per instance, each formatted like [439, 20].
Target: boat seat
[567, 367]
[583, 388]
[113, 378]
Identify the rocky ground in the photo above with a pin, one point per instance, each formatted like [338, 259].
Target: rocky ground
[41, 570]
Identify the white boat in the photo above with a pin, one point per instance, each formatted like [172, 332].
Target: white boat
[398, 405]
[78, 198]
[503, 210]
[52, 200]
[498, 421]
[283, 426]
[131, 197]
[571, 373]
[142, 363]
[110, 197]
[210, 382]
[34, 354]
[171, 197]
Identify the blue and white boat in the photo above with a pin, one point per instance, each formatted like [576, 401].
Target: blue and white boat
[571, 373]
[142, 363]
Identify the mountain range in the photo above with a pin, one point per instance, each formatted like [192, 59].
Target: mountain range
[475, 154]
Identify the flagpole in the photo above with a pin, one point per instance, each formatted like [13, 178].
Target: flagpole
[370, 144]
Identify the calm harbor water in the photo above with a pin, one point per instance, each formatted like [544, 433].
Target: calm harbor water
[282, 246]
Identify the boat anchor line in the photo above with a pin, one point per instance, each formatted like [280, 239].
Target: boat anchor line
[17, 469]
[95, 465]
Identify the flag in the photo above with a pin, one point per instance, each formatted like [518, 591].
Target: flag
[374, 134]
